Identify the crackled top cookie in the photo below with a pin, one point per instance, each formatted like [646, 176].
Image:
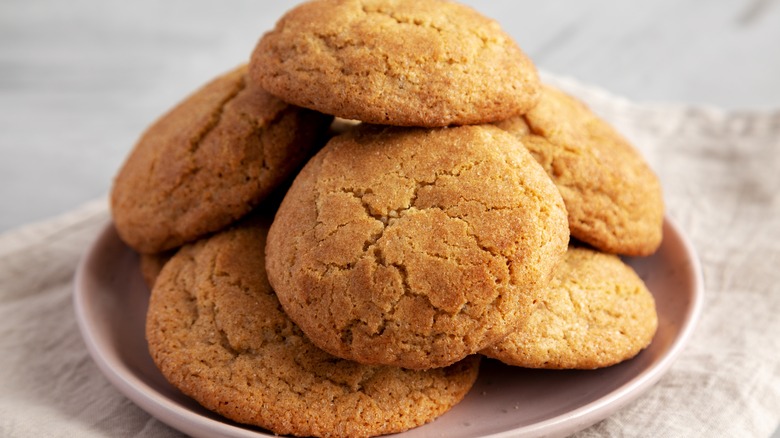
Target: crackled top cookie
[597, 312]
[614, 199]
[209, 161]
[415, 247]
[396, 62]
[217, 332]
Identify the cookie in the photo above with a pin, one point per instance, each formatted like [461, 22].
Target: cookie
[209, 161]
[415, 247]
[597, 312]
[217, 332]
[152, 264]
[426, 63]
[614, 199]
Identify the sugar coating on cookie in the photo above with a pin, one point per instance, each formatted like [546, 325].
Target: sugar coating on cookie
[423, 63]
[209, 161]
[217, 332]
[415, 247]
[597, 312]
[613, 197]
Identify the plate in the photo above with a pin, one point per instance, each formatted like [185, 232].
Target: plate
[111, 299]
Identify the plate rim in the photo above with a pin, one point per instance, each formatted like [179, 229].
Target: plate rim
[131, 386]
[168, 412]
[643, 381]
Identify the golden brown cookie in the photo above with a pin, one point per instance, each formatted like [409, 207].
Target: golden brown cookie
[209, 161]
[217, 332]
[415, 247]
[597, 312]
[424, 63]
[152, 264]
[614, 199]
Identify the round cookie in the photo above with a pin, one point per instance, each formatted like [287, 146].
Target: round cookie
[614, 199]
[415, 247]
[217, 332]
[597, 312]
[426, 63]
[209, 161]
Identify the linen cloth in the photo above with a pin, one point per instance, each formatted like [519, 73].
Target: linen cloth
[721, 176]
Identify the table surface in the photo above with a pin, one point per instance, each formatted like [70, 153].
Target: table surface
[80, 80]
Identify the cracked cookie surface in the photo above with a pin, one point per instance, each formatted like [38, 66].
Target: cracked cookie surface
[423, 63]
[415, 247]
[209, 161]
[613, 197]
[597, 313]
[218, 333]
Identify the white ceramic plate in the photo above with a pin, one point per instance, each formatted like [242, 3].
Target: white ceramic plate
[111, 299]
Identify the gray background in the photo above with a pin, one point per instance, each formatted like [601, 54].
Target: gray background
[80, 79]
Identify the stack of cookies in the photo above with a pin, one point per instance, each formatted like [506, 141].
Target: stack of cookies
[336, 232]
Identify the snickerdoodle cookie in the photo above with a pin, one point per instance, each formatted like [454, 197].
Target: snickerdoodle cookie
[217, 332]
[151, 265]
[614, 199]
[597, 312]
[209, 161]
[415, 247]
[426, 63]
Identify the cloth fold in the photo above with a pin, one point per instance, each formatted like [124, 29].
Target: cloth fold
[719, 170]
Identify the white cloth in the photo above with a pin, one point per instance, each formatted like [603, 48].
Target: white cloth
[721, 176]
